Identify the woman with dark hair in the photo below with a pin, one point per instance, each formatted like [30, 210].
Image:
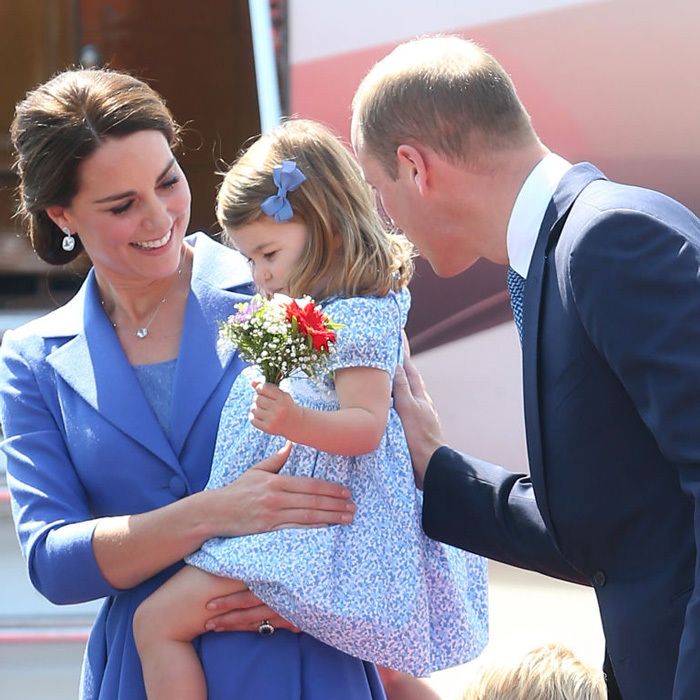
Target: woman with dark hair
[110, 404]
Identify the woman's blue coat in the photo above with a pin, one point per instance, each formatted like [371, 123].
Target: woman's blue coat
[82, 443]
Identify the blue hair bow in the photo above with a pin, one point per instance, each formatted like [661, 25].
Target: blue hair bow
[287, 177]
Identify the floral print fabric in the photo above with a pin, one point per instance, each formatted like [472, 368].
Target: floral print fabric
[377, 589]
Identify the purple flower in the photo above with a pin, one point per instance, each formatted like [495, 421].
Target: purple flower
[245, 311]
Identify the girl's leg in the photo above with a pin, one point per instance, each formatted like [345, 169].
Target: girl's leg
[165, 625]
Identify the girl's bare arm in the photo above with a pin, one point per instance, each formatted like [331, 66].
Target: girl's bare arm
[364, 394]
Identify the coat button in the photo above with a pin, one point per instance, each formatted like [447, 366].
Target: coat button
[177, 487]
[599, 579]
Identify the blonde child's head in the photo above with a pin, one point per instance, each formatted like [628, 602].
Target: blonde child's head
[549, 672]
[347, 249]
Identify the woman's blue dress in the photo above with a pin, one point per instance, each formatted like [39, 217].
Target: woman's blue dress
[378, 589]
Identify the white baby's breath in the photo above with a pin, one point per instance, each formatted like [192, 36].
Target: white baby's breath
[265, 336]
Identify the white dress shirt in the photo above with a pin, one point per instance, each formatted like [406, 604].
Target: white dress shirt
[529, 209]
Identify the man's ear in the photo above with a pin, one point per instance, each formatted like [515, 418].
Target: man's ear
[413, 164]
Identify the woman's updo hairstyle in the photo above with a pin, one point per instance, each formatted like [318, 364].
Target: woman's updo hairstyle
[62, 122]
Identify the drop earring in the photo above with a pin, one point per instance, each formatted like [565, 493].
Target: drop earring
[68, 242]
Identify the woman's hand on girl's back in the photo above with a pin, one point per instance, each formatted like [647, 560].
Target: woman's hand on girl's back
[261, 500]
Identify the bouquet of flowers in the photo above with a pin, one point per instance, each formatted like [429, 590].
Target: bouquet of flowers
[280, 335]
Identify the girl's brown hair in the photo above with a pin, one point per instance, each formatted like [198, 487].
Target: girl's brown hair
[335, 204]
[62, 122]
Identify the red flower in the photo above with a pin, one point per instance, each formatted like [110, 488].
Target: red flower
[311, 323]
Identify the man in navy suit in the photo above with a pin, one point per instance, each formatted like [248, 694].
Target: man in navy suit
[605, 287]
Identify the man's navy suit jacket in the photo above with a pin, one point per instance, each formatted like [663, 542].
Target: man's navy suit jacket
[611, 372]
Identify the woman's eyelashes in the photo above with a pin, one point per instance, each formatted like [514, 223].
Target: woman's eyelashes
[122, 208]
[166, 185]
[170, 183]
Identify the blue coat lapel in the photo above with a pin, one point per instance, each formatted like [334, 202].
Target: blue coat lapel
[220, 279]
[575, 180]
[93, 364]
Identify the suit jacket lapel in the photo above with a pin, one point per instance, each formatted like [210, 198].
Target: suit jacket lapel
[93, 364]
[220, 279]
[575, 180]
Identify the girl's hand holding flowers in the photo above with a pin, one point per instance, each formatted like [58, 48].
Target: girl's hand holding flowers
[274, 411]
[281, 336]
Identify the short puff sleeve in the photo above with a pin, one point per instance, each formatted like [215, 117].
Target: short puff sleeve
[370, 333]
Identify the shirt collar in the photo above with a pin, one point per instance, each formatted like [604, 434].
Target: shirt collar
[529, 209]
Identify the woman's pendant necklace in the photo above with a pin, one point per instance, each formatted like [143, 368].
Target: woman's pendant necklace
[142, 332]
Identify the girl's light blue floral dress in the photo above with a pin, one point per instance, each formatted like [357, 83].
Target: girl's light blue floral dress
[378, 589]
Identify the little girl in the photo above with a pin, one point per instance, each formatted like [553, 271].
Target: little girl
[296, 206]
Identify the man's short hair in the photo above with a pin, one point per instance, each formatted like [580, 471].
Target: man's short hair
[444, 92]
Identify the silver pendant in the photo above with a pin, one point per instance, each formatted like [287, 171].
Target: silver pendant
[68, 243]
[142, 332]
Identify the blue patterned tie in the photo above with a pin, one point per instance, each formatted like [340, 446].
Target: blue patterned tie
[516, 289]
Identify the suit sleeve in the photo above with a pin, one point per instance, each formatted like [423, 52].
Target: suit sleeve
[488, 510]
[49, 505]
[638, 295]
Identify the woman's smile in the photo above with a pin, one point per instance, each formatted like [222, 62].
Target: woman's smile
[154, 244]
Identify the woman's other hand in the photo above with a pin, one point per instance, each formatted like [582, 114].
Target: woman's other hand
[243, 611]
